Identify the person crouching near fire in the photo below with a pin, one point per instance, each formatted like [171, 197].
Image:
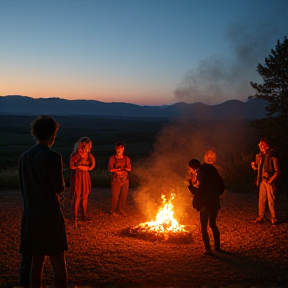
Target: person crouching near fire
[81, 162]
[119, 165]
[206, 185]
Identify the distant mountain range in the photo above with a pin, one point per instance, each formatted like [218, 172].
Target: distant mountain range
[229, 110]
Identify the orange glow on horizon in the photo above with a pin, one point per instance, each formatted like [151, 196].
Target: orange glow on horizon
[137, 93]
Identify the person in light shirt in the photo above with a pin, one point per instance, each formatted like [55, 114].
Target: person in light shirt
[266, 164]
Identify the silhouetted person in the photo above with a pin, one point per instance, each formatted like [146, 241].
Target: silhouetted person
[206, 185]
[43, 230]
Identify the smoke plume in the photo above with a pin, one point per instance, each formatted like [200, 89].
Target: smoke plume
[219, 78]
[166, 168]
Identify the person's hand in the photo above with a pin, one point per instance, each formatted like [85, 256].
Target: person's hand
[186, 182]
[265, 175]
[196, 184]
[83, 167]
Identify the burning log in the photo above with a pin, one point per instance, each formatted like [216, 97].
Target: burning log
[165, 227]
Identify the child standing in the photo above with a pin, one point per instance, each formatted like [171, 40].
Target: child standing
[81, 162]
[119, 165]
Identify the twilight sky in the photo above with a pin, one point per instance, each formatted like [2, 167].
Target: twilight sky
[146, 52]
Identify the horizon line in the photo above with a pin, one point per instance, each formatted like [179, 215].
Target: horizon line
[115, 102]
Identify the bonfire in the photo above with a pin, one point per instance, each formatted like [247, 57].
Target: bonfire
[164, 226]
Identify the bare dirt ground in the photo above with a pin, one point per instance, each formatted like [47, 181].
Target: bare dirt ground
[103, 254]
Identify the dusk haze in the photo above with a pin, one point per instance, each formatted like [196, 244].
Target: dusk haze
[140, 52]
[143, 143]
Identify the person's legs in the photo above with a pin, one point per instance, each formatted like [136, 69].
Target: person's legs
[86, 189]
[77, 199]
[78, 186]
[123, 197]
[84, 206]
[262, 200]
[204, 222]
[214, 228]
[115, 187]
[58, 264]
[271, 201]
[36, 271]
[24, 270]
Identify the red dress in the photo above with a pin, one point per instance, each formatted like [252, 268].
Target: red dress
[80, 178]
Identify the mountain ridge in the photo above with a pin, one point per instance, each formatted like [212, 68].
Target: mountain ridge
[228, 110]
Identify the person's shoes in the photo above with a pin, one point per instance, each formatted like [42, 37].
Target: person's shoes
[258, 220]
[76, 219]
[87, 218]
[274, 221]
[123, 213]
[218, 249]
[114, 214]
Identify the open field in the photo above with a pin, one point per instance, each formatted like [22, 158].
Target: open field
[138, 135]
[159, 148]
[103, 254]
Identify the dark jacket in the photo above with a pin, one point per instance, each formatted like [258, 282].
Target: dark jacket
[266, 163]
[41, 180]
[211, 186]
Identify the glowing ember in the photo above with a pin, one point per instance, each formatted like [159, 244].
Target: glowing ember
[165, 222]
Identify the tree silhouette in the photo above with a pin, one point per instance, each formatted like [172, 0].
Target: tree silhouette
[275, 81]
[275, 91]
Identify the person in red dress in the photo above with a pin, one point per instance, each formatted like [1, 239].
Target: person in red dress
[81, 162]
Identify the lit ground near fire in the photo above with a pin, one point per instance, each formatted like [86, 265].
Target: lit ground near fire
[102, 253]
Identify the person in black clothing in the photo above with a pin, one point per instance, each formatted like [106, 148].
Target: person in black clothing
[206, 185]
[43, 230]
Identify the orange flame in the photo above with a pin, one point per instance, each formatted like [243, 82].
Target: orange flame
[165, 221]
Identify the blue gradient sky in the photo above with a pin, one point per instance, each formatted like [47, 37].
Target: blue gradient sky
[147, 52]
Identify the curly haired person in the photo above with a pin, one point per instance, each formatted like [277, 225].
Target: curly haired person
[43, 231]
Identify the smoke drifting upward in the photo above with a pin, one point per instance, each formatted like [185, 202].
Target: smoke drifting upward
[166, 169]
[217, 78]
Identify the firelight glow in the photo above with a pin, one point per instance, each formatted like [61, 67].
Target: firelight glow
[144, 52]
[165, 221]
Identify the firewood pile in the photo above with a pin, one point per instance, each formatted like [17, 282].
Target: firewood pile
[143, 232]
